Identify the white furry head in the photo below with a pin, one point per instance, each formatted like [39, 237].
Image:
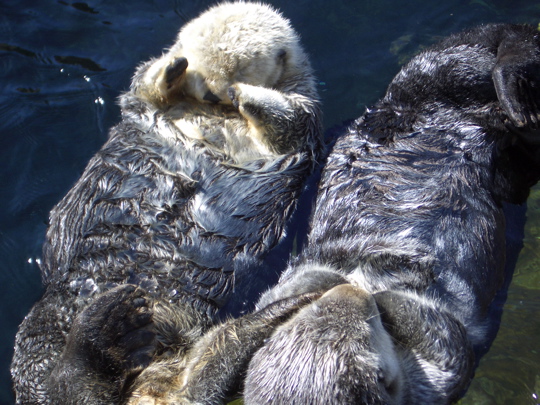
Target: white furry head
[232, 43]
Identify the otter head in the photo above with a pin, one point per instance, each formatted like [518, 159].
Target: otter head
[335, 350]
[367, 353]
[231, 43]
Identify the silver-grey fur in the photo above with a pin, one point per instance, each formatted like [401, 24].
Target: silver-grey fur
[409, 217]
[170, 206]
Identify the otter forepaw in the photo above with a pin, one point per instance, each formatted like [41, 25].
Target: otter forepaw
[174, 72]
[259, 105]
[234, 93]
[170, 79]
[163, 81]
[521, 100]
[273, 117]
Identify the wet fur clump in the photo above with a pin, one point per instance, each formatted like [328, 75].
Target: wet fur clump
[172, 218]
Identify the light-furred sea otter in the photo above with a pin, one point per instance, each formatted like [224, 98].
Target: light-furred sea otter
[407, 241]
[171, 219]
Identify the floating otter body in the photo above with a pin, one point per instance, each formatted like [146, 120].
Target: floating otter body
[406, 248]
[192, 190]
[407, 239]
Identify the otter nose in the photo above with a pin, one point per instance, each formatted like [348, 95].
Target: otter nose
[211, 97]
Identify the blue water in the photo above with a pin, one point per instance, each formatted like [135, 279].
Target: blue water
[63, 64]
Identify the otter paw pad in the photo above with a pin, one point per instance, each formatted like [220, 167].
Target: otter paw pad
[116, 331]
[175, 71]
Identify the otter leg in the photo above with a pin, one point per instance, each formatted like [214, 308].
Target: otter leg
[38, 346]
[214, 369]
[110, 342]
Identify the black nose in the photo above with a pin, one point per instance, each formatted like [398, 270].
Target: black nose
[209, 96]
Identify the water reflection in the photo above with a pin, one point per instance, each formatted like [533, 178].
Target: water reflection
[64, 63]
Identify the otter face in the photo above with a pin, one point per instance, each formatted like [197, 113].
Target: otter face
[230, 43]
[210, 82]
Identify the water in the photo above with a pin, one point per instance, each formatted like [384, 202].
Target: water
[63, 63]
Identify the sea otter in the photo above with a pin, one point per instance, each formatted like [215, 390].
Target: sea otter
[172, 218]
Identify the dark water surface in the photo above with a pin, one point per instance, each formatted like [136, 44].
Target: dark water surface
[63, 63]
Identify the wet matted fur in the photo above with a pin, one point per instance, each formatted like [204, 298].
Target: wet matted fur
[192, 190]
[409, 216]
